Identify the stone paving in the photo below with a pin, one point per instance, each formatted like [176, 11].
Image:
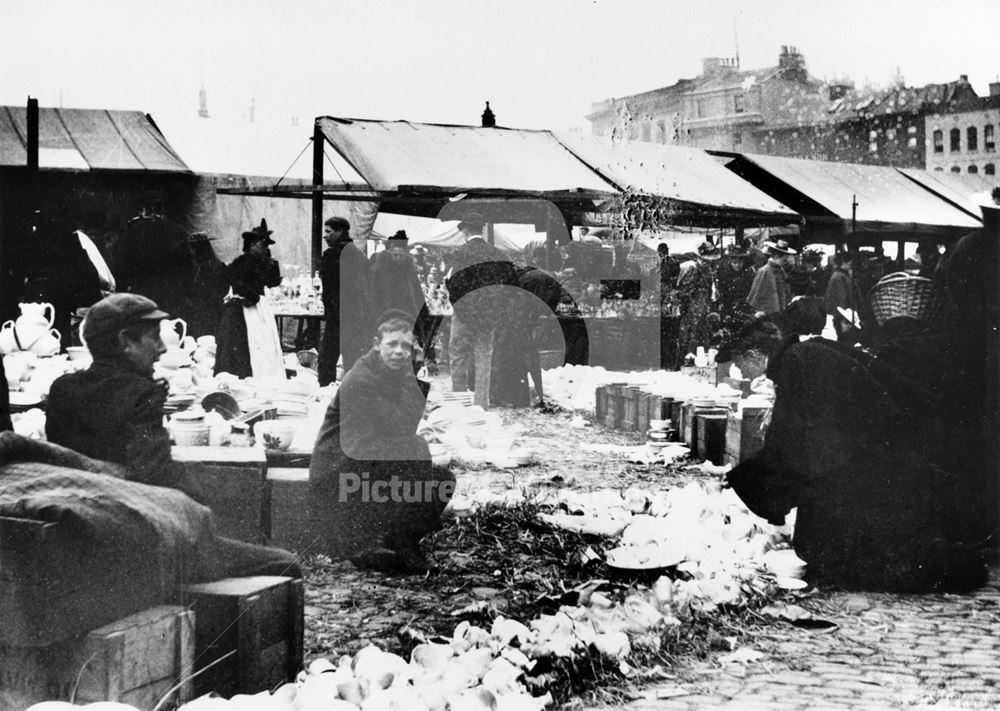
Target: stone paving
[887, 652]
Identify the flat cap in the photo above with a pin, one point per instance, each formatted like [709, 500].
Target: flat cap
[117, 311]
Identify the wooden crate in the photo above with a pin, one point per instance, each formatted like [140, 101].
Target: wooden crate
[630, 408]
[257, 619]
[745, 434]
[54, 587]
[600, 403]
[233, 480]
[702, 374]
[287, 497]
[134, 660]
[616, 405]
[642, 410]
[710, 437]
[690, 412]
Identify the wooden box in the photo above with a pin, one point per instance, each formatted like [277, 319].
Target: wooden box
[702, 374]
[630, 408]
[233, 481]
[134, 660]
[54, 587]
[643, 407]
[616, 405]
[287, 504]
[600, 403]
[689, 413]
[745, 433]
[257, 622]
[710, 437]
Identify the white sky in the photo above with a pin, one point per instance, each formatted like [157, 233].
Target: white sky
[540, 62]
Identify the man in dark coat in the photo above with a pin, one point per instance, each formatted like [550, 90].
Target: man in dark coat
[373, 491]
[395, 284]
[153, 258]
[113, 411]
[346, 275]
[770, 292]
[210, 285]
[479, 305]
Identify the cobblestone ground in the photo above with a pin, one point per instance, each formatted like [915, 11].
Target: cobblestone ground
[887, 652]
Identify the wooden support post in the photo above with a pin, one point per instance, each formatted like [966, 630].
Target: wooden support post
[319, 143]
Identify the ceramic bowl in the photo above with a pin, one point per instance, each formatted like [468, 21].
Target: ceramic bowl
[275, 434]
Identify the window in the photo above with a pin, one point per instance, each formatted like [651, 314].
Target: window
[737, 141]
[988, 144]
[990, 169]
[973, 169]
[955, 139]
[738, 105]
[939, 169]
[700, 108]
[955, 169]
[938, 141]
[971, 139]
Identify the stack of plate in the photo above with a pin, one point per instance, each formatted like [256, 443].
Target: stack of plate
[178, 402]
[458, 398]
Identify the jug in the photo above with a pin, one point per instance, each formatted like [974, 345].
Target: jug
[33, 324]
[169, 334]
[47, 344]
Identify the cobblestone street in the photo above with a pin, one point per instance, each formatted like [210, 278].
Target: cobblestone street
[887, 652]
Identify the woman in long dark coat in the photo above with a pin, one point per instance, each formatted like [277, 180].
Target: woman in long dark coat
[372, 488]
[243, 320]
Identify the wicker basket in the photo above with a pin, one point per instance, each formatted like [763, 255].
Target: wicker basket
[900, 294]
[549, 359]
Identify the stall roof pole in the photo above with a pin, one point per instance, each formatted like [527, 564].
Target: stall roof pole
[317, 197]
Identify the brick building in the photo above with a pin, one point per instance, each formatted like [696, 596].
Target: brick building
[965, 141]
[784, 111]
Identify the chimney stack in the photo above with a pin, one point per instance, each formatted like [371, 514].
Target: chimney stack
[995, 88]
[964, 78]
[489, 120]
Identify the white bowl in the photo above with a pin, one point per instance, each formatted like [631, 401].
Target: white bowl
[275, 434]
[78, 353]
[193, 435]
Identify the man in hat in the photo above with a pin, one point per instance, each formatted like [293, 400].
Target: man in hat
[113, 410]
[478, 308]
[210, 285]
[248, 342]
[698, 294]
[734, 279]
[395, 284]
[152, 257]
[346, 275]
[769, 292]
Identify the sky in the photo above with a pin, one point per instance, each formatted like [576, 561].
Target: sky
[540, 63]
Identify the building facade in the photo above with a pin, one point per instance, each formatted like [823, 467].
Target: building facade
[965, 141]
[784, 111]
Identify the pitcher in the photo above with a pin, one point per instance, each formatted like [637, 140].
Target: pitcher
[168, 332]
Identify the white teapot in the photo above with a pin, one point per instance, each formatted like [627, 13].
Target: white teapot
[33, 325]
[168, 332]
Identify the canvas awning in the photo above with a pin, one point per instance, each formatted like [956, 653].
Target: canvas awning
[87, 139]
[703, 192]
[861, 198]
[956, 188]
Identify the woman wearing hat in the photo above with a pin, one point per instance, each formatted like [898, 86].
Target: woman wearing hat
[770, 292]
[373, 490]
[697, 292]
[248, 341]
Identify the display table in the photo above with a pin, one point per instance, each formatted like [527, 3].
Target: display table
[308, 325]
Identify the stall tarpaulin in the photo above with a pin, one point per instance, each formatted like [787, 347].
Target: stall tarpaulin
[862, 198]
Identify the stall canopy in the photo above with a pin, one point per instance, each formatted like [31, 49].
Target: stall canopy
[702, 192]
[852, 198]
[88, 140]
[956, 188]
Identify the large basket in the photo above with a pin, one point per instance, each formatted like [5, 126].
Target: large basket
[903, 295]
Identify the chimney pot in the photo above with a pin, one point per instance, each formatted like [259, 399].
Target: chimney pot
[963, 78]
[488, 118]
[995, 88]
